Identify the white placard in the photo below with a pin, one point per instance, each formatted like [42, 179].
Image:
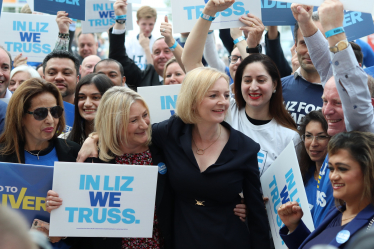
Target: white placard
[32, 35]
[282, 182]
[130, 1]
[161, 100]
[186, 13]
[366, 6]
[104, 200]
[100, 16]
[31, 4]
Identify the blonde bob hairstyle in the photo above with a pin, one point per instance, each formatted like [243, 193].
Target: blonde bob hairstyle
[168, 63]
[13, 138]
[194, 87]
[112, 120]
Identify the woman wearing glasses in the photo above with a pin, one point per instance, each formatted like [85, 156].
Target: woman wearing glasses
[313, 131]
[33, 121]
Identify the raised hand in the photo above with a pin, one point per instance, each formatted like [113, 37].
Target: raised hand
[331, 14]
[63, 22]
[19, 60]
[166, 30]
[214, 6]
[290, 213]
[254, 27]
[235, 33]
[302, 13]
[120, 7]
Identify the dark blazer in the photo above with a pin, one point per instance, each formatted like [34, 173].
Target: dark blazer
[213, 225]
[135, 77]
[3, 107]
[164, 212]
[67, 151]
[302, 235]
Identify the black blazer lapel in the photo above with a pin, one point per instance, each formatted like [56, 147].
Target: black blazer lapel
[185, 142]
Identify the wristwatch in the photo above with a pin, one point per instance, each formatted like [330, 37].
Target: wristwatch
[257, 49]
[121, 21]
[339, 46]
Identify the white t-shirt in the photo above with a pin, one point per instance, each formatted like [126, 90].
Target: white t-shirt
[136, 52]
[272, 137]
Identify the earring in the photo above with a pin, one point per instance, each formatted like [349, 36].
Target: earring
[274, 91]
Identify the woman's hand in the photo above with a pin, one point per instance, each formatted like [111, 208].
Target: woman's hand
[235, 33]
[254, 27]
[214, 6]
[241, 211]
[53, 201]
[19, 61]
[89, 148]
[290, 213]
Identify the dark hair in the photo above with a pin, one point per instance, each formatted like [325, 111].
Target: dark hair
[10, 57]
[13, 138]
[276, 107]
[102, 83]
[112, 61]
[360, 146]
[315, 18]
[61, 54]
[358, 52]
[304, 159]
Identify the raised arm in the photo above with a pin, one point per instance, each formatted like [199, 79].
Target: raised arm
[211, 54]
[166, 30]
[237, 33]
[254, 27]
[194, 47]
[350, 79]
[63, 22]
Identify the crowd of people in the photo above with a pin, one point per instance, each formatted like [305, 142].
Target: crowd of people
[230, 125]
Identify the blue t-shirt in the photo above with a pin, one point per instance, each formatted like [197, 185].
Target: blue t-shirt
[311, 192]
[325, 198]
[69, 115]
[300, 96]
[370, 71]
[47, 160]
[368, 53]
[3, 107]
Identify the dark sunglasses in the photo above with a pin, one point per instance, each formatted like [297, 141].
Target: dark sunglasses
[42, 112]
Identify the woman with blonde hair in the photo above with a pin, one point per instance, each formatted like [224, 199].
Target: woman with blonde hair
[173, 73]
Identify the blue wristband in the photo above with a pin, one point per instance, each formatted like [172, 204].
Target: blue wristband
[241, 38]
[334, 32]
[206, 17]
[123, 17]
[210, 32]
[172, 48]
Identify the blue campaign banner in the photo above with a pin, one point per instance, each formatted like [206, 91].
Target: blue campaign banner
[69, 110]
[357, 24]
[276, 13]
[75, 8]
[370, 71]
[24, 188]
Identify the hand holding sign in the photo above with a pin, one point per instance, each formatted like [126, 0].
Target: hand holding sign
[166, 30]
[120, 7]
[235, 33]
[331, 14]
[19, 60]
[290, 213]
[63, 22]
[214, 6]
[53, 201]
[302, 13]
[254, 27]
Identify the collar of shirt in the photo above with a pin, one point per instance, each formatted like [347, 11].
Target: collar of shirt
[8, 94]
[161, 79]
[297, 73]
[137, 37]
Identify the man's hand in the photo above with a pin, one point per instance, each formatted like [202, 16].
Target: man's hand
[120, 7]
[143, 41]
[19, 60]
[302, 13]
[254, 27]
[214, 6]
[166, 30]
[63, 22]
[235, 33]
[331, 14]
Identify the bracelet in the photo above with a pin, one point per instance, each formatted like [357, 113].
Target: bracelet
[123, 17]
[241, 38]
[172, 48]
[63, 36]
[207, 17]
[121, 21]
[334, 32]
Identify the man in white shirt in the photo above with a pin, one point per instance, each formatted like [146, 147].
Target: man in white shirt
[5, 68]
[139, 47]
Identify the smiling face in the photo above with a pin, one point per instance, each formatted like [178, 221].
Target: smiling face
[38, 133]
[234, 66]
[257, 86]
[174, 74]
[214, 106]
[17, 79]
[160, 55]
[346, 177]
[316, 149]
[88, 101]
[332, 108]
[62, 73]
[87, 45]
[4, 72]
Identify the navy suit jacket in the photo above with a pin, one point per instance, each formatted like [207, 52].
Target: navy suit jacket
[302, 235]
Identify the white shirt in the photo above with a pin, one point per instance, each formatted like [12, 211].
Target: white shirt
[272, 137]
[136, 52]
[8, 94]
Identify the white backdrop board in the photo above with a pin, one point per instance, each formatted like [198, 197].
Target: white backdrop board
[100, 16]
[130, 1]
[366, 6]
[104, 200]
[185, 14]
[32, 35]
[281, 183]
[161, 100]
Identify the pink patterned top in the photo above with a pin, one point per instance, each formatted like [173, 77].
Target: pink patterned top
[156, 242]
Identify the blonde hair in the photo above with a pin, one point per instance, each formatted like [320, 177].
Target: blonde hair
[171, 61]
[112, 119]
[13, 137]
[194, 87]
[146, 12]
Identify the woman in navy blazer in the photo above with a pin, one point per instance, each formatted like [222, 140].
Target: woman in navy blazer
[351, 164]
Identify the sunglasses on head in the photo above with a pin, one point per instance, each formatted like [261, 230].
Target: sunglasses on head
[42, 112]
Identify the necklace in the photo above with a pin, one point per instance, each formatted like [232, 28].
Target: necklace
[37, 154]
[349, 217]
[201, 151]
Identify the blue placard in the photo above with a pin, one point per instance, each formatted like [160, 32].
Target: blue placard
[75, 8]
[370, 71]
[276, 13]
[69, 110]
[24, 188]
[357, 24]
